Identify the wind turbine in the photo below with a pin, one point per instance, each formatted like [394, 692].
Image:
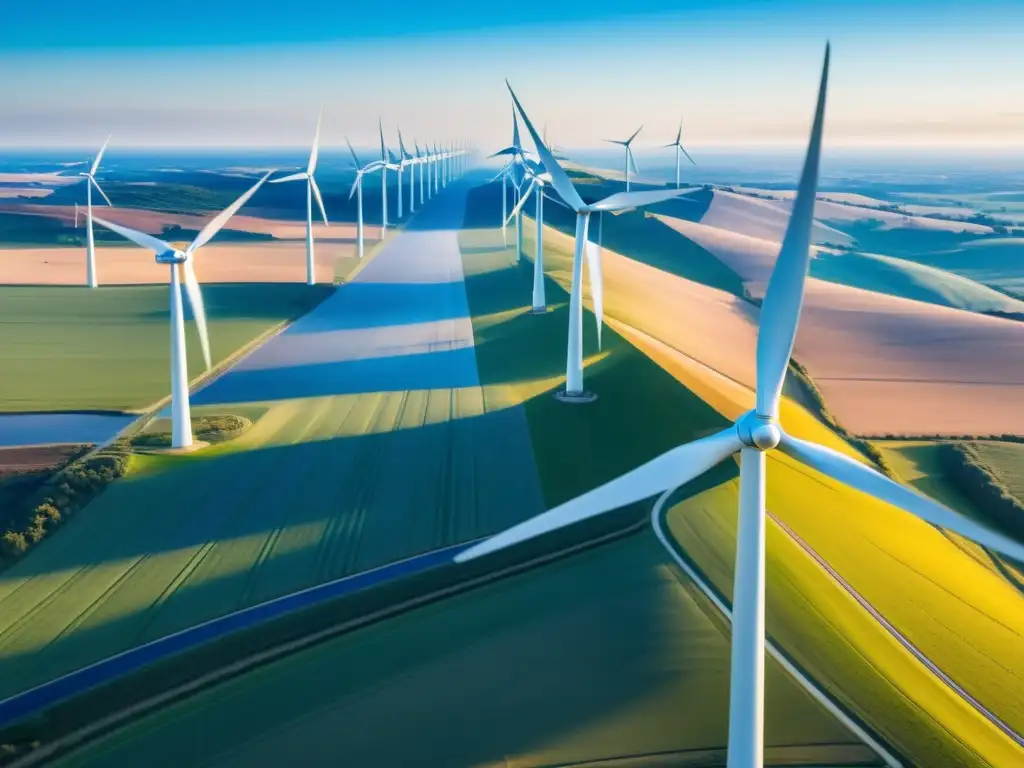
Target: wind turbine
[90, 245]
[403, 161]
[357, 189]
[678, 145]
[539, 178]
[437, 169]
[630, 162]
[384, 165]
[753, 434]
[515, 153]
[413, 161]
[616, 202]
[181, 422]
[312, 190]
[423, 161]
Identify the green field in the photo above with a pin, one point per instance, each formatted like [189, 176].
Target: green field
[909, 279]
[996, 262]
[964, 614]
[1006, 460]
[74, 348]
[608, 654]
[958, 611]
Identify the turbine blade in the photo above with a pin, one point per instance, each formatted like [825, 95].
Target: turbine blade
[670, 470]
[593, 255]
[505, 151]
[621, 200]
[300, 176]
[319, 199]
[632, 160]
[515, 128]
[355, 159]
[195, 299]
[556, 199]
[864, 479]
[780, 310]
[630, 139]
[679, 134]
[100, 190]
[383, 151]
[681, 147]
[315, 151]
[99, 156]
[615, 141]
[519, 206]
[148, 242]
[214, 225]
[559, 180]
[355, 184]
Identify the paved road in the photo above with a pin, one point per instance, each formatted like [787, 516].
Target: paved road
[375, 445]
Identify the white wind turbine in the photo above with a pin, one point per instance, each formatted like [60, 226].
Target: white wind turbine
[753, 434]
[678, 145]
[90, 245]
[357, 190]
[384, 165]
[630, 162]
[617, 202]
[412, 162]
[403, 161]
[422, 160]
[539, 178]
[312, 190]
[181, 422]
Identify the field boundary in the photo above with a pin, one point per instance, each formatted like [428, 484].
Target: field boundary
[858, 728]
[438, 564]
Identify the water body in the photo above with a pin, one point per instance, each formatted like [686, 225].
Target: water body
[22, 429]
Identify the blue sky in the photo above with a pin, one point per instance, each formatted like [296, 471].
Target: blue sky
[738, 72]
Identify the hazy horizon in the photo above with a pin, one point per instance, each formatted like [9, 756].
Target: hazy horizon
[905, 73]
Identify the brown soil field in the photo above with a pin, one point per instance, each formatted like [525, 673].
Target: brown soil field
[884, 364]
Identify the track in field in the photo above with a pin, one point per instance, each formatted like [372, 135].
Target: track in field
[375, 446]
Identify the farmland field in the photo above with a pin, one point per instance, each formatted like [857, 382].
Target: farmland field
[609, 654]
[965, 616]
[371, 447]
[1006, 460]
[75, 348]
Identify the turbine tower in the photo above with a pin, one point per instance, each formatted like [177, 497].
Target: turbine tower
[312, 190]
[753, 434]
[412, 161]
[619, 201]
[515, 153]
[678, 146]
[181, 421]
[357, 189]
[422, 161]
[539, 178]
[630, 162]
[383, 181]
[90, 245]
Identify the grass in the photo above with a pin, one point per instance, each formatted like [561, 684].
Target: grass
[911, 280]
[958, 610]
[603, 655]
[622, 602]
[213, 428]
[1006, 461]
[75, 348]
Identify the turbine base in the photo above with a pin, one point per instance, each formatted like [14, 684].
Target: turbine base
[576, 398]
[539, 310]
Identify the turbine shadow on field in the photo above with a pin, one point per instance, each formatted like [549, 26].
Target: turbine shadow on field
[190, 538]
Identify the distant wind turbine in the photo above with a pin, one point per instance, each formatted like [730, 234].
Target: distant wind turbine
[181, 422]
[616, 202]
[539, 178]
[678, 145]
[312, 190]
[422, 161]
[403, 161]
[90, 245]
[630, 162]
[384, 165]
[515, 153]
[753, 435]
[357, 190]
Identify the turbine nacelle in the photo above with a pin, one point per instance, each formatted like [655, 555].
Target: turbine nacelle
[761, 432]
[172, 257]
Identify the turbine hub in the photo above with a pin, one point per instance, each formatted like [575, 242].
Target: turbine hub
[759, 432]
